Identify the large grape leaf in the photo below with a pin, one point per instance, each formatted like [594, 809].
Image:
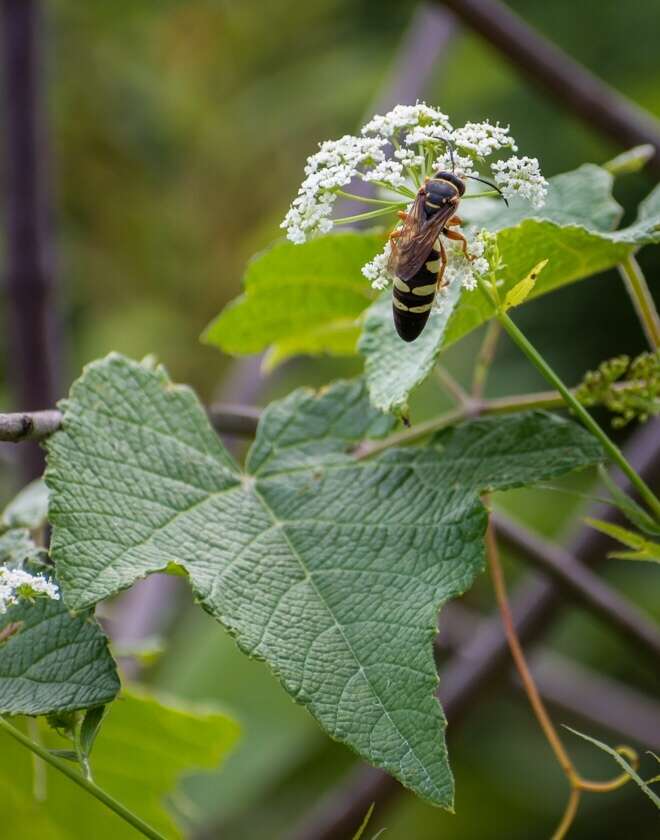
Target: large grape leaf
[300, 299]
[52, 661]
[331, 569]
[571, 231]
[144, 747]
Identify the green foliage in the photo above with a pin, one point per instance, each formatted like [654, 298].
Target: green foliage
[330, 569]
[642, 548]
[630, 390]
[300, 299]
[620, 760]
[144, 747]
[521, 291]
[52, 661]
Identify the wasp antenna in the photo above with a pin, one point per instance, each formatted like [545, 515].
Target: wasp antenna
[490, 184]
[451, 155]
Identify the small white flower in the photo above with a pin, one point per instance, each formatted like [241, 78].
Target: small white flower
[428, 134]
[390, 171]
[464, 164]
[376, 270]
[521, 176]
[16, 584]
[404, 117]
[483, 138]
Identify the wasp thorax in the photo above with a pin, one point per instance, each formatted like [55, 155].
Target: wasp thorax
[438, 196]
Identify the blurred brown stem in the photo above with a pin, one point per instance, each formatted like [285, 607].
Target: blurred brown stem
[485, 358]
[32, 351]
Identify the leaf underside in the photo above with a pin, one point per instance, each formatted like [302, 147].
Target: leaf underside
[330, 569]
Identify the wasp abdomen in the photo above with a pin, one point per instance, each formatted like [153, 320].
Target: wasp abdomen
[412, 299]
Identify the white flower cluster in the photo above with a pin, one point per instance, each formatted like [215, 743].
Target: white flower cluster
[332, 167]
[16, 584]
[398, 150]
[521, 176]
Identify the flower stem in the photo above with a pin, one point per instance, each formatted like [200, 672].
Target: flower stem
[95, 791]
[610, 447]
[372, 214]
[367, 200]
[640, 294]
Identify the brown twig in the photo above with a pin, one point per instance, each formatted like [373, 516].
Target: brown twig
[575, 780]
[227, 418]
[559, 75]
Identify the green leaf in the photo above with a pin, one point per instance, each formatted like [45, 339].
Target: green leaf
[620, 760]
[329, 568]
[29, 509]
[515, 450]
[144, 748]
[300, 299]
[633, 512]
[580, 197]
[392, 367]
[53, 661]
[643, 549]
[632, 160]
[90, 728]
[520, 292]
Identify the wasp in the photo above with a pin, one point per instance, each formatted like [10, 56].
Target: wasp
[418, 257]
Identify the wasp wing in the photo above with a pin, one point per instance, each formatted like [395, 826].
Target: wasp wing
[412, 247]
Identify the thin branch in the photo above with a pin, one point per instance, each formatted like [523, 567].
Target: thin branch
[452, 386]
[226, 418]
[566, 80]
[642, 300]
[485, 358]
[529, 686]
[29, 425]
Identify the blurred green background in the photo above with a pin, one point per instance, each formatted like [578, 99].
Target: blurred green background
[179, 131]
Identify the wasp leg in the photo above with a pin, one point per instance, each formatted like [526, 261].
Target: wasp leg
[439, 283]
[392, 238]
[455, 220]
[402, 215]
[458, 237]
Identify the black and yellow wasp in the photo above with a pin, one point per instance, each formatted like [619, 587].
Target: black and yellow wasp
[418, 257]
